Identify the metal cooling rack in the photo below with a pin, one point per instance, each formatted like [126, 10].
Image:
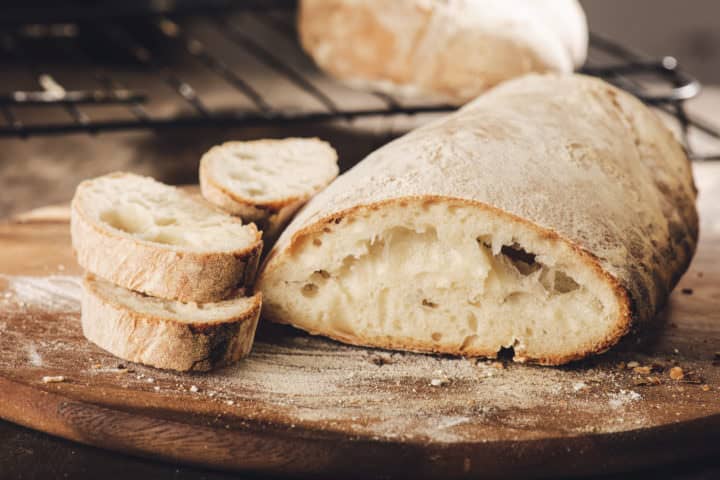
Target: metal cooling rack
[102, 50]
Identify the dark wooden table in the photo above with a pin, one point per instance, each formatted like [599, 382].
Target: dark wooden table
[27, 454]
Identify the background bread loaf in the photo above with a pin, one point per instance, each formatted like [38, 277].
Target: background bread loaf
[452, 49]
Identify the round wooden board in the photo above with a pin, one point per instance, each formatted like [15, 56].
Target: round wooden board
[307, 405]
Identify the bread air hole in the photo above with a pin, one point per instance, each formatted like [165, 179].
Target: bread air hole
[523, 261]
[309, 290]
[130, 218]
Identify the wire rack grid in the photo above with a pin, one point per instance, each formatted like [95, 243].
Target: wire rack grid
[154, 49]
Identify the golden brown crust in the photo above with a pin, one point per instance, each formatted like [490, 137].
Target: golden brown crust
[159, 271]
[164, 342]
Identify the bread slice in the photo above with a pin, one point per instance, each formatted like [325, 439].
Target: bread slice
[454, 50]
[166, 333]
[153, 238]
[545, 217]
[267, 181]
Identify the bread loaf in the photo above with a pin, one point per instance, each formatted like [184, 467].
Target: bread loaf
[266, 181]
[156, 239]
[547, 216]
[165, 333]
[452, 49]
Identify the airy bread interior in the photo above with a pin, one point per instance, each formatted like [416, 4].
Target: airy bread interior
[271, 171]
[147, 210]
[191, 312]
[444, 276]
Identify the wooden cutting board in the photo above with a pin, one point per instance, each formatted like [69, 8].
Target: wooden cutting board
[306, 405]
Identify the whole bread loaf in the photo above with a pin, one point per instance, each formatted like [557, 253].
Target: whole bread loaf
[452, 49]
[548, 216]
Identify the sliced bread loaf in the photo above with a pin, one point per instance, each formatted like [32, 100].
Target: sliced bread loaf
[166, 333]
[267, 181]
[153, 238]
[547, 216]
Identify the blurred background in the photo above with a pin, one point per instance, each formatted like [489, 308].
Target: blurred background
[688, 30]
[205, 63]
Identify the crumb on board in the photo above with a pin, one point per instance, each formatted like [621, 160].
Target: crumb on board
[648, 381]
[194, 388]
[676, 373]
[439, 382]
[633, 364]
[642, 370]
[705, 388]
[579, 386]
[53, 379]
[229, 402]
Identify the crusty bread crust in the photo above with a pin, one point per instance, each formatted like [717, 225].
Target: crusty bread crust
[612, 183]
[271, 216]
[165, 342]
[157, 270]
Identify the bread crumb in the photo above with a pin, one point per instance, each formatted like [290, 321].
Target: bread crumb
[156, 388]
[705, 388]
[498, 365]
[439, 382]
[642, 370]
[676, 373]
[633, 364]
[229, 402]
[55, 379]
[579, 386]
[194, 389]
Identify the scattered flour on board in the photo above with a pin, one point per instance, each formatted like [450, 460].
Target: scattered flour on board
[34, 357]
[56, 292]
[622, 398]
[312, 381]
